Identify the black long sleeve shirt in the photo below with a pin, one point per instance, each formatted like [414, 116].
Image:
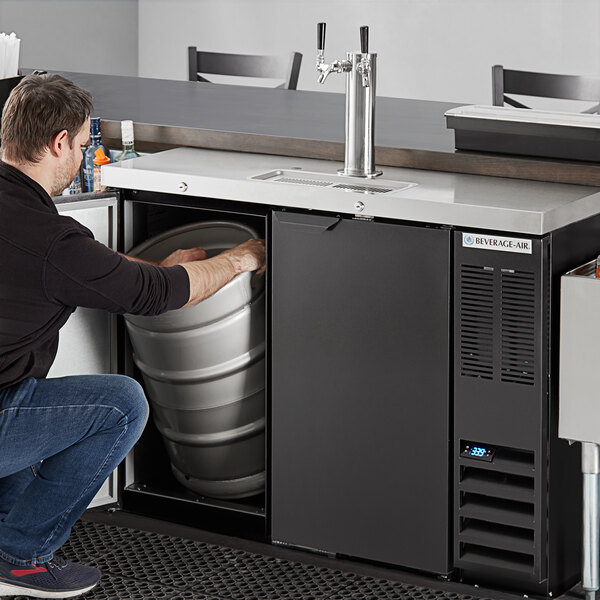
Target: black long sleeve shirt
[49, 265]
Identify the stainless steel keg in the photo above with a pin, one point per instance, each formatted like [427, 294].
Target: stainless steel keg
[204, 373]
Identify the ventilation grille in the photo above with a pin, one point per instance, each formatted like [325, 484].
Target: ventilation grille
[497, 324]
[299, 181]
[476, 321]
[518, 327]
[326, 180]
[371, 189]
[351, 187]
[497, 511]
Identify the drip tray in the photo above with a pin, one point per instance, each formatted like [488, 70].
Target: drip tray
[326, 180]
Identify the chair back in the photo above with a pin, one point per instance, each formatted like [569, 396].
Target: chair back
[546, 85]
[202, 63]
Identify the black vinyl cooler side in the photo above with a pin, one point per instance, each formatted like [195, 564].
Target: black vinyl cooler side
[518, 517]
[500, 387]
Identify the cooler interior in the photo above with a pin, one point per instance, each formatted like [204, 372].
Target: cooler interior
[149, 485]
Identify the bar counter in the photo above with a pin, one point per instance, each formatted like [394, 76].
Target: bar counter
[307, 124]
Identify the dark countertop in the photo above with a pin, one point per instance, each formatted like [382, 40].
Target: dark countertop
[409, 133]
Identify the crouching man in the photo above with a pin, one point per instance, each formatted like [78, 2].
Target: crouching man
[61, 438]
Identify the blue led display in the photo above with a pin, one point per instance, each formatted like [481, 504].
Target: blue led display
[478, 451]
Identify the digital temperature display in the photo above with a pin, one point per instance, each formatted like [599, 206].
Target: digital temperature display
[477, 451]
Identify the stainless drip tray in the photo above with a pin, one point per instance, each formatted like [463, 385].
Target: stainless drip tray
[326, 180]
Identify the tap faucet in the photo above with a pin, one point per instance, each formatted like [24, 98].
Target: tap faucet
[360, 69]
[325, 69]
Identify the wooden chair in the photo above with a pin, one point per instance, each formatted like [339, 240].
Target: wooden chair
[546, 85]
[244, 65]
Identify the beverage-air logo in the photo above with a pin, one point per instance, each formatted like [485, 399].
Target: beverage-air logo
[495, 242]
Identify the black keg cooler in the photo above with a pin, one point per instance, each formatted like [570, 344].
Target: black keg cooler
[411, 404]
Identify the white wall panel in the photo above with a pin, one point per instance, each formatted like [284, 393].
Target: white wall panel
[429, 49]
[91, 36]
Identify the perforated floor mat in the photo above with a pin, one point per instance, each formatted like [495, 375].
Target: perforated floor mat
[139, 565]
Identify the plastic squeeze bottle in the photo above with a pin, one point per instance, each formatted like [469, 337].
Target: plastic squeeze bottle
[99, 159]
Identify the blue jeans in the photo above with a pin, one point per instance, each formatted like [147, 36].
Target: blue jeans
[59, 441]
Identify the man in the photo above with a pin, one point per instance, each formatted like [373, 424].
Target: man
[61, 438]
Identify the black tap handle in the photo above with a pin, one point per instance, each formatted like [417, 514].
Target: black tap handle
[321, 36]
[364, 40]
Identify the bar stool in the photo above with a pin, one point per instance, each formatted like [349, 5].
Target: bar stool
[202, 63]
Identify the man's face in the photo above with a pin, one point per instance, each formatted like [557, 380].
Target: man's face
[70, 162]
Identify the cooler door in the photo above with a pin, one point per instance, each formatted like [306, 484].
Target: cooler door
[360, 389]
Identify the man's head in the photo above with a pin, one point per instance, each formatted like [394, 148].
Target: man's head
[44, 123]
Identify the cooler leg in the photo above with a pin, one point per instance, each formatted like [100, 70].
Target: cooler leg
[590, 466]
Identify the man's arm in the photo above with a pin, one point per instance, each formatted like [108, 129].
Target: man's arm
[176, 258]
[83, 272]
[135, 258]
[210, 275]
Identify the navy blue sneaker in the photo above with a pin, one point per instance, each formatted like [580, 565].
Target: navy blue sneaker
[57, 578]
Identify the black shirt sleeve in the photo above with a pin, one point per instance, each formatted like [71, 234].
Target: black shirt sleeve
[80, 271]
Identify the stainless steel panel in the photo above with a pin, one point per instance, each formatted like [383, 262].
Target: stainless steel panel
[579, 391]
[87, 343]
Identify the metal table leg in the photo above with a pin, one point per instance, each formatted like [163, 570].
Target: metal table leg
[590, 467]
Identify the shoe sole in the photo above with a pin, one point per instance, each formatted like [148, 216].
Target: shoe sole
[6, 589]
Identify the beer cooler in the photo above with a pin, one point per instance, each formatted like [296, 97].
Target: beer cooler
[411, 391]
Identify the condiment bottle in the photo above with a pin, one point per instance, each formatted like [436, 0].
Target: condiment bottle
[99, 159]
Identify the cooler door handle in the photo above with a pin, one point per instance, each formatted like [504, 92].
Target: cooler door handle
[308, 223]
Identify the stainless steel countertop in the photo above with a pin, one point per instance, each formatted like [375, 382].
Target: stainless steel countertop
[468, 201]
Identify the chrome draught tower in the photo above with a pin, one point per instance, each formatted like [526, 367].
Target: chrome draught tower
[361, 69]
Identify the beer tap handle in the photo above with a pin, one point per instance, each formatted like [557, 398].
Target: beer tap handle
[322, 67]
[364, 40]
[364, 66]
[321, 37]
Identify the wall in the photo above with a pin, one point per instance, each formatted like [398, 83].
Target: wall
[428, 49]
[92, 36]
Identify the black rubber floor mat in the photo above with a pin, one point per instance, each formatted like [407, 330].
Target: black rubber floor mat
[138, 565]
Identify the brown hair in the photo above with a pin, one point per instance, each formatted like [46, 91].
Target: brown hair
[36, 110]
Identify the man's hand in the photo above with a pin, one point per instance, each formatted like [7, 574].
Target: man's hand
[210, 275]
[182, 256]
[248, 256]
